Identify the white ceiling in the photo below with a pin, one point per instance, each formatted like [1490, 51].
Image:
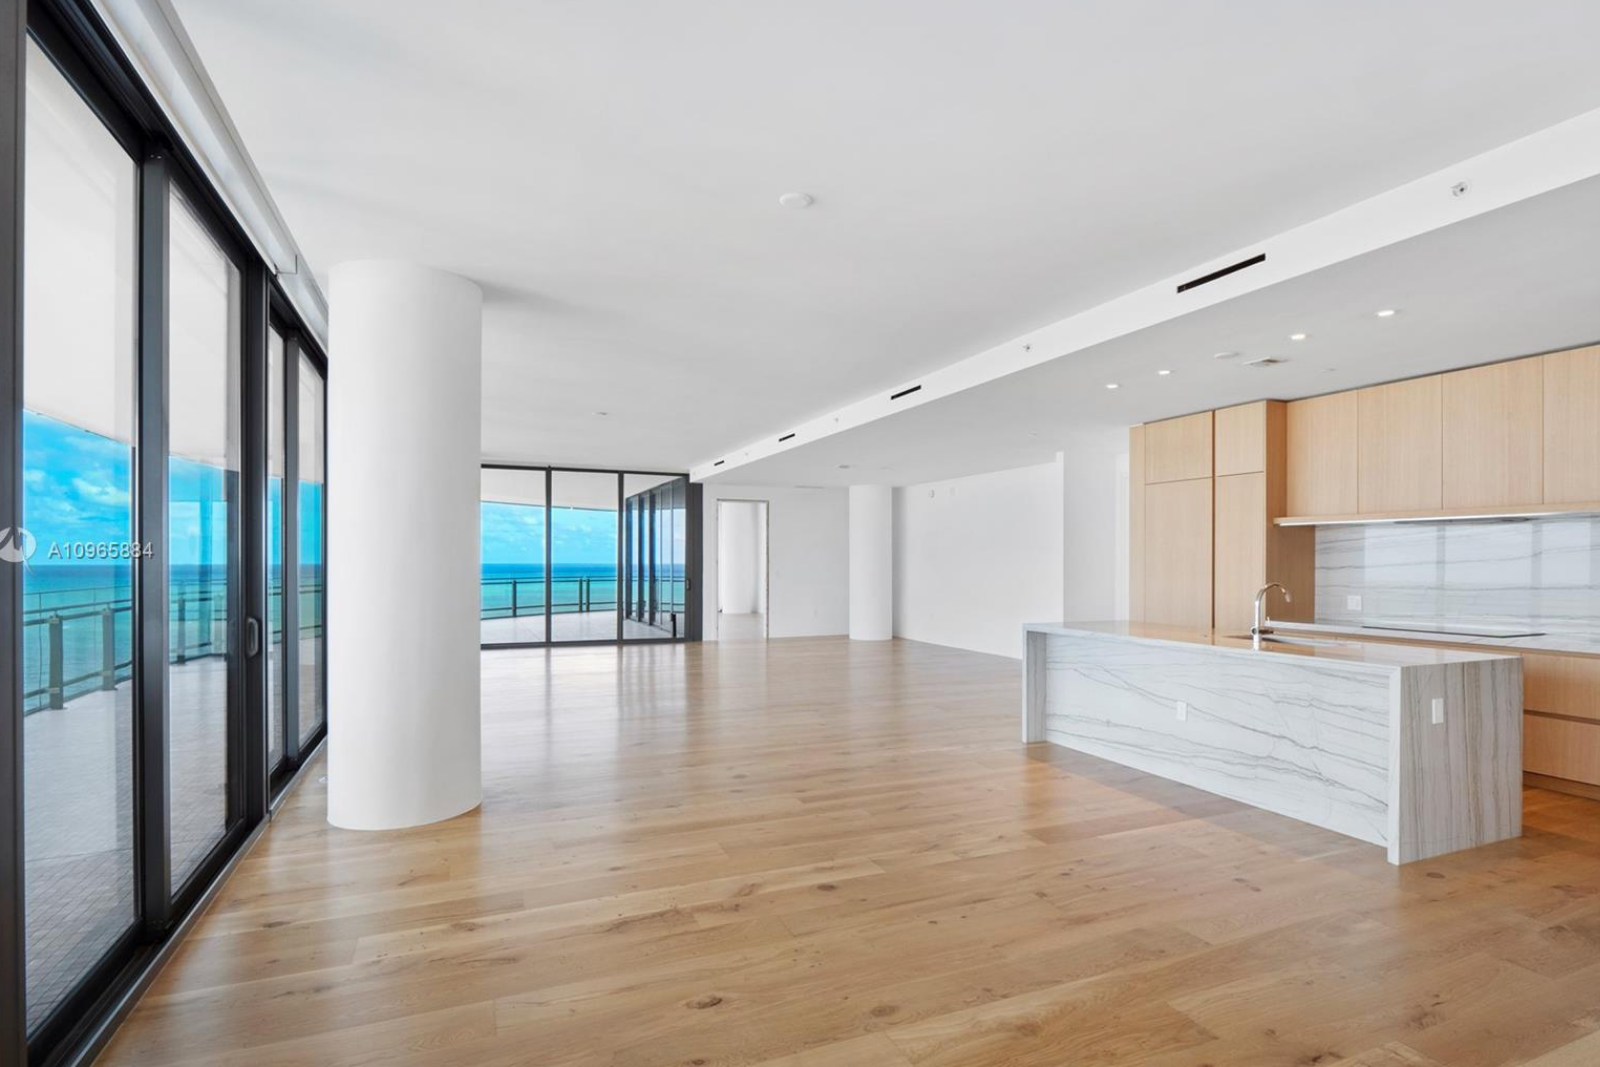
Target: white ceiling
[608, 171]
[1517, 281]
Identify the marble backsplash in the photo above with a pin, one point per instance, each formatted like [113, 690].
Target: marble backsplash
[1538, 574]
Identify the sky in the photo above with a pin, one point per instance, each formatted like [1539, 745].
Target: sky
[514, 533]
[77, 487]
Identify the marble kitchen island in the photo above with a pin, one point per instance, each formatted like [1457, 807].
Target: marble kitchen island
[1415, 749]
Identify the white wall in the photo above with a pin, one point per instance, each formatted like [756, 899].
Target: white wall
[975, 558]
[808, 583]
[871, 563]
[741, 546]
[1094, 473]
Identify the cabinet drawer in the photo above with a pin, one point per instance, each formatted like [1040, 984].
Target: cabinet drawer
[1561, 748]
[1561, 685]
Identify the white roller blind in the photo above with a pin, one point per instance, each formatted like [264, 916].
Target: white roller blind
[204, 338]
[312, 463]
[512, 486]
[80, 262]
[275, 380]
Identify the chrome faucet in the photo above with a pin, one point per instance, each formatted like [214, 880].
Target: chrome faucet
[1260, 628]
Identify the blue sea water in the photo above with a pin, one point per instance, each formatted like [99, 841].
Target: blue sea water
[518, 589]
[83, 596]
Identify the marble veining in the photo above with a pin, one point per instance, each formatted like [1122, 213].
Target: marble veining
[1301, 738]
[1534, 574]
[1345, 736]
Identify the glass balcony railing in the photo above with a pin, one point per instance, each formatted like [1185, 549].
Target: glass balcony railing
[77, 641]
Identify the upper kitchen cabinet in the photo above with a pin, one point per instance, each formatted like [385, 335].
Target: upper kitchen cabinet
[1400, 447]
[1179, 449]
[1321, 455]
[1494, 435]
[1571, 426]
[1241, 438]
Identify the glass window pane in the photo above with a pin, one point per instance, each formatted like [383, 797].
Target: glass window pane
[312, 475]
[275, 472]
[512, 557]
[583, 556]
[202, 520]
[79, 303]
[655, 544]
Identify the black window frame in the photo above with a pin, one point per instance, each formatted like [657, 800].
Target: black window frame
[297, 342]
[71, 34]
[693, 501]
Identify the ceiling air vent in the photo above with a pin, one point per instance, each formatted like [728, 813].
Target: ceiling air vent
[904, 392]
[1264, 361]
[785, 437]
[1223, 272]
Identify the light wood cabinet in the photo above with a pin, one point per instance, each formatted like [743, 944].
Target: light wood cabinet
[1399, 446]
[1561, 748]
[1493, 452]
[1240, 553]
[1572, 426]
[1178, 449]
[1321, 455]
[1561, 685]
[1177, 552]
[1136, 523]
[1249, 550]
[1241, 438]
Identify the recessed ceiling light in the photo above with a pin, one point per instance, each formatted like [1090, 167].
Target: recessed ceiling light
[1163, 373]
[1224, 355]
[1386, 313]
[1112, 385]
[796, 200]
[1297, 337]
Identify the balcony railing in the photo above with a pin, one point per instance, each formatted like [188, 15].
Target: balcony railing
[82, 641]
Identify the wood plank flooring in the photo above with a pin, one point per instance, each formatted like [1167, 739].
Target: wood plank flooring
[812, 853]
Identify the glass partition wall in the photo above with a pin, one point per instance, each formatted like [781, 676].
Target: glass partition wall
[162, 510]
[655, 555]
[586, 557]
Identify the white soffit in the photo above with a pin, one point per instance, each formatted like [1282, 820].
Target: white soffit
[1539, 163]
[151, 35]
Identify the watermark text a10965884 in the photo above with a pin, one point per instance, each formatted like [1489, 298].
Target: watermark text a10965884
[17, 545]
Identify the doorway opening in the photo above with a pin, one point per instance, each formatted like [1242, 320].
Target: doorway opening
[743, 603]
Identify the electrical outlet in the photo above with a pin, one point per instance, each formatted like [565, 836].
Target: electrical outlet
[1352, 603]
[1183, 711]
[1438, 711]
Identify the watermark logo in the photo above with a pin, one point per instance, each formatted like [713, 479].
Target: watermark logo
[17, 544]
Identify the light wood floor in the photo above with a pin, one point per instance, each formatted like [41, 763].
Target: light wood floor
[809, 853]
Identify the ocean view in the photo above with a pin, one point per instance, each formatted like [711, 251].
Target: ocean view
[84, 599]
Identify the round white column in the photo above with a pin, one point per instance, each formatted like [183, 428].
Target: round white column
[871, 563]
[405, 405]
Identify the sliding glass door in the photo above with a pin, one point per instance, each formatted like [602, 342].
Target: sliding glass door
[78, 427]
[310, 473]
[205, 308]
[655, 556]
[162, 501]
[512, 592]
[582, 556]
[277, 459]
